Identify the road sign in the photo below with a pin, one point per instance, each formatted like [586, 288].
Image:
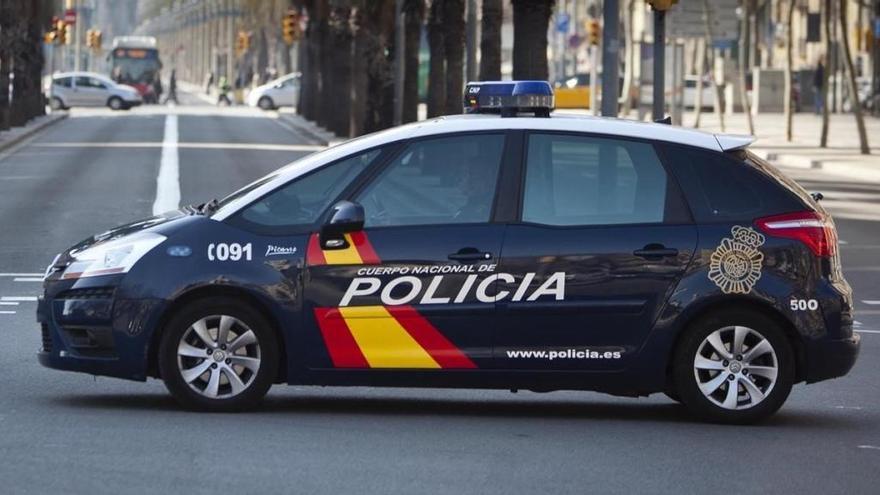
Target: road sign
[70, 16]
[686, 20]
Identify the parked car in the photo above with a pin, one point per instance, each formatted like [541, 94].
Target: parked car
[87, 89]
[281, 92]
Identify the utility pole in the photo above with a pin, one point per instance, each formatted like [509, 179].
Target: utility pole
[399, 48]
[610, 58]
[471, 41]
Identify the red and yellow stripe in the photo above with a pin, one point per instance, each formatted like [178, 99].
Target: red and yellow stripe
[386, 337]
[358, 252]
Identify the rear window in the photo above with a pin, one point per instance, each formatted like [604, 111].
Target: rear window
[732, 187]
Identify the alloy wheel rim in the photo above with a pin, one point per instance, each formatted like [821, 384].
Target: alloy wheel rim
[736, 367]
[218, 356]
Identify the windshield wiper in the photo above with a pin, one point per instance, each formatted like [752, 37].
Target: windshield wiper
[209, 207]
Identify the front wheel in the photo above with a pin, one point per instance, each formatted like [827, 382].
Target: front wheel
[218, 355]
[115, 103]
[734, 367]
[266, 103]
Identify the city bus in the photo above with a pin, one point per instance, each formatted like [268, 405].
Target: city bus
[134, 60]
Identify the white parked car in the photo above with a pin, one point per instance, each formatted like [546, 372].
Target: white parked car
[281, 92]
[87, 89]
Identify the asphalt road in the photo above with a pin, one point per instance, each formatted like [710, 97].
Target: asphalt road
[73, 433]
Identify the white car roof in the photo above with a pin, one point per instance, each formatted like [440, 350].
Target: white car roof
[102, 77]
[612, 127]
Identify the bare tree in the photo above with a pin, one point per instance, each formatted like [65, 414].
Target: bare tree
[490, 40]
[531, 18]
[716, 90]
[629, 59]
[414, 11]
[826, 22]
[787, 110]
[437, 67]
[851, 81]
[741, 63]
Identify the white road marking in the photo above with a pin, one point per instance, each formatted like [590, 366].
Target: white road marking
[869, 447]
[8, 303]
[18, 298]
[867, 331]
[871, 302]
[7, 312]
[168, 181]
[854, 408]
[191, 145]
[27, 279]
[21, 274]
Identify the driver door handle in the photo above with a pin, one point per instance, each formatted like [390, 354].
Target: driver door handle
[470, 254]
[655, 251]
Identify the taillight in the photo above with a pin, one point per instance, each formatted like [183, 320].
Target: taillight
[812, 228]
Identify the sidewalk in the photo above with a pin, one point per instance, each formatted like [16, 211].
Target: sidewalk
[842, 157]
[16, 135]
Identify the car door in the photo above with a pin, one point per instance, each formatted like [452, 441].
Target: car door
[602, 238]
[90, 91]
[415, 288]
[287, 92]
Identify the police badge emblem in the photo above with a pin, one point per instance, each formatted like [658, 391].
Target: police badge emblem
[735, 265]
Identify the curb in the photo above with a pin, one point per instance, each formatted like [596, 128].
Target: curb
[310, 130]
[19, 134]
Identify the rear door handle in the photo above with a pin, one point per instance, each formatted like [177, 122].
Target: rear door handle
[655, 251]
[470, 254]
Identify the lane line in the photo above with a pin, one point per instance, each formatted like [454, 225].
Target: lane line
[191, 145]
[8, 303]
[21, 274]
[7, 312]
[866, 331]
[18, 298]
[27, 279]
[871, 302]
[168, 180]
[869, 447]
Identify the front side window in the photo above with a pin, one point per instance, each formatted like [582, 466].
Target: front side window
[447, 180]
[302, 200]
[580, 180]
[63, 81]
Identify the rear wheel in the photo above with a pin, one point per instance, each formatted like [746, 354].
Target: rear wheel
[115, 103]
[56, 104]
[266, 103]
[734, 367]
[218, 355]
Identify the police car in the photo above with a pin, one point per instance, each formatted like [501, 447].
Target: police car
[502, 249]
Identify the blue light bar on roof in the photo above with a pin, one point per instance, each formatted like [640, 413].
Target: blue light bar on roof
[509, 98]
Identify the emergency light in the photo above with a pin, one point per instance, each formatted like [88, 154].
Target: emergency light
[509, 98]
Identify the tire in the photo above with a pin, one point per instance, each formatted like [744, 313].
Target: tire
[189, 346]
[703, 374]
[55, 103]
[115, 103]
[266, 103]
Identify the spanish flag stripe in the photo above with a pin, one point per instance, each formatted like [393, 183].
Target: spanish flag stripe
[344, 351]
[439, 347]
[314, 256]
[382, 339]
[347, 256]
[364, 248]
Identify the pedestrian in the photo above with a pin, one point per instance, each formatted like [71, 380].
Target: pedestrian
[818, 83]
[172, 88]
[209, 81]
[223, 88]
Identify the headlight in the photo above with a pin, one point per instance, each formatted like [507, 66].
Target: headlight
[117, 256]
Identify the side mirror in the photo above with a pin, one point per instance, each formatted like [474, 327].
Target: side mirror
[345, 216]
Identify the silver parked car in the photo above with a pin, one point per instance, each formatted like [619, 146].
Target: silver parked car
[281, 92]
[87, 89]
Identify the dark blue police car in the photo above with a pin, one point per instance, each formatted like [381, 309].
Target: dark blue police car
[480, 251]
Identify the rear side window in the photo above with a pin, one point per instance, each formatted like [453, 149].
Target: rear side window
[721, 188]
[63, 81]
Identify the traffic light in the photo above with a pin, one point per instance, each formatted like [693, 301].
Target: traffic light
[661, 5]
[62, 32]
[98, 41]
[594, 32]
[290, 27]
[90, 38]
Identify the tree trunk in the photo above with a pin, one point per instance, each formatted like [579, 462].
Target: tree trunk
[308, 65]
[701, 69]
[437, 67]
[531, 19]
[324, 104]
[338, 92]
[490, 40]
[716, 89]
[851, 81]
[414, 11]
[359, 73]
[379, 36]
[6, 13]
[743, 66]
[826, 22]
[786, 105]
[18, 111]
[454, 44]
[629, 59]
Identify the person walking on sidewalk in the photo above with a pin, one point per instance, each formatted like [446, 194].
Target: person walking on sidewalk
[172, 88]
[818, 82]
[223, 89]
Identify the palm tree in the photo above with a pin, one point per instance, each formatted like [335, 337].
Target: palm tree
[851, 81]
[490, 40]
[531, 18]
[437, 67]
[454, 48]
[414, 11]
